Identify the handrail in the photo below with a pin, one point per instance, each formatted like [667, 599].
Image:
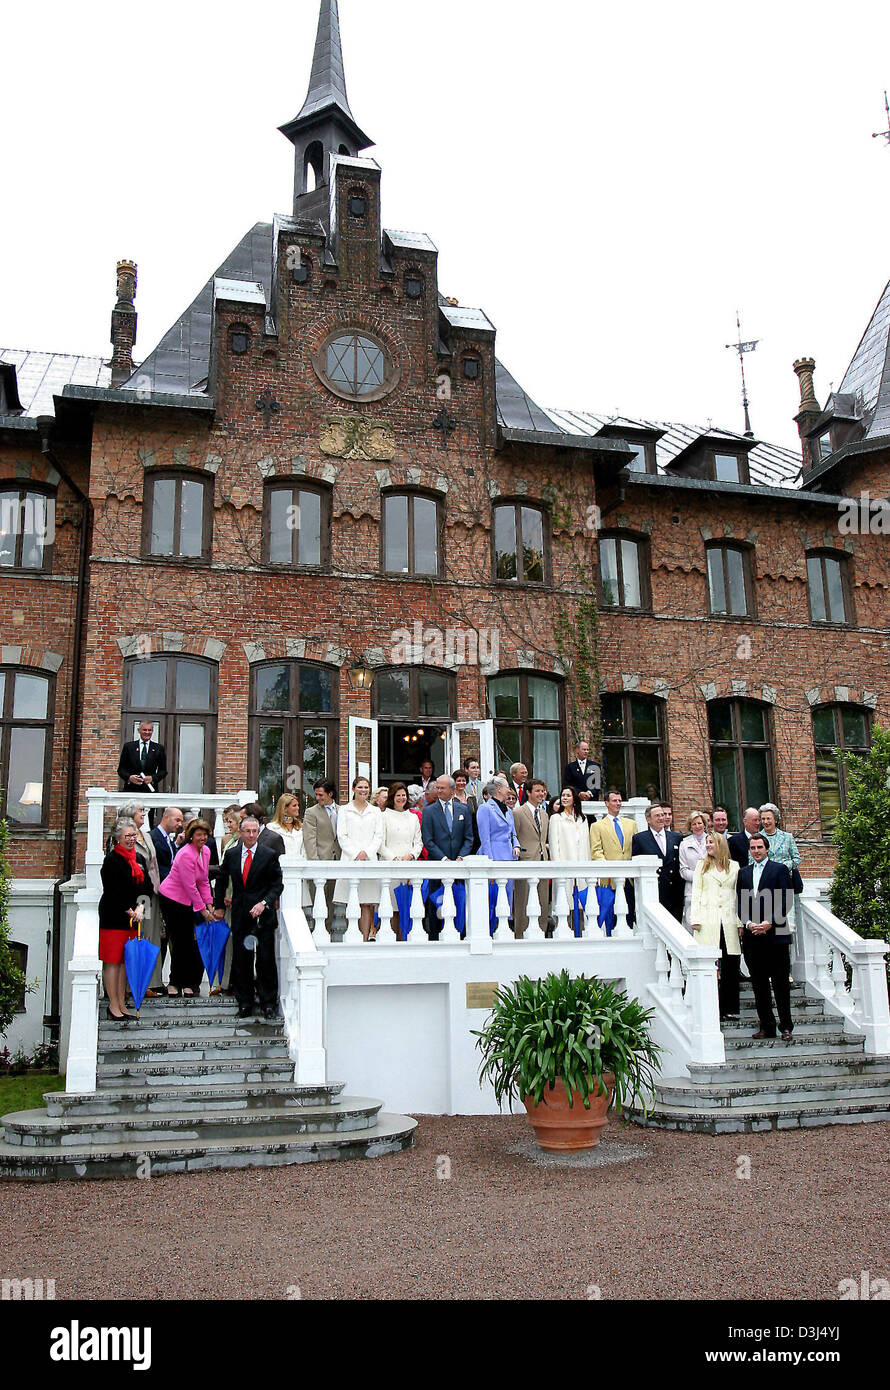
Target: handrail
[845, 970]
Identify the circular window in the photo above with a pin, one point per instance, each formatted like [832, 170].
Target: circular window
[356, 367]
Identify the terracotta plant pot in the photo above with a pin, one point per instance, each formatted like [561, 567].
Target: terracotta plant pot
[561, 1128]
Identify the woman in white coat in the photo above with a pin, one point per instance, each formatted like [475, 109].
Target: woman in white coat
[402, 838]
[692, 849]
[288, 825]
[360, 836]
[568, 837]
[715, 920]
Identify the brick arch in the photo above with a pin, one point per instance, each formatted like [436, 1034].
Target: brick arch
[842, 695]
[32, 658]
[148, 644]
[24, 471]
[406, 478]
[295, 649]
[622, 683]
[739, 690]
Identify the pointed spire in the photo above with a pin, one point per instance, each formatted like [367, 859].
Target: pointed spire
[325, 124]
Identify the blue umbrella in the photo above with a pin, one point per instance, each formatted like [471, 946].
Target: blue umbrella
[140, 958]
[460, 903]
[580, 896]
[212, 938]
[403, 894]
[605, 897]
[493, 903]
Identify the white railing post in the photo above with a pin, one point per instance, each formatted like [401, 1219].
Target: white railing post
[311, 1059]
[478, 920]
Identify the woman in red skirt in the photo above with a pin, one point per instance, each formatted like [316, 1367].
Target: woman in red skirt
[120, 910]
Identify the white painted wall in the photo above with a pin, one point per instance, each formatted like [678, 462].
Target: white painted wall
[30, 923]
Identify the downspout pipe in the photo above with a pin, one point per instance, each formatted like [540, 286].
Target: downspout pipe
[45, 424]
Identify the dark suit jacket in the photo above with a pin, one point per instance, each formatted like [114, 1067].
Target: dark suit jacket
[773, 901]
[120, 891]
[670, 885]
[439, 842]
[590, 781]
[272, 840]
[165, 858]
[738, 847]
[521, 789]
[155, 764]
[264, 884]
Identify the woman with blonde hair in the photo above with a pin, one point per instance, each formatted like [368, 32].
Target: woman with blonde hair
[713, 915]
[692, 849]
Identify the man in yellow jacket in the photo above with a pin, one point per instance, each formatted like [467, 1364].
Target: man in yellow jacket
[612, 838]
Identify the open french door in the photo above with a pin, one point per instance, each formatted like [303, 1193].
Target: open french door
[470, 739]
[364, 760]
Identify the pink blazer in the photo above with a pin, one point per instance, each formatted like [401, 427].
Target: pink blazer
[187, 882]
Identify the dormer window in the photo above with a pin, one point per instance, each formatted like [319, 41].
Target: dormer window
[728, 468]
[640, 461]
[824, 443]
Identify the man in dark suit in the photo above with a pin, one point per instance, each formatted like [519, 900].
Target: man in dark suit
[518, 782]
[270, 839]
[764, 895]
[739, 843]
[447, 830]
[254, 873]
[164, 839]
[666, 844]
[143, 764]
[584, 774]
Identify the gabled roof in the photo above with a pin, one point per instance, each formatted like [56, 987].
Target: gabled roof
[769, 464]
[867, 378]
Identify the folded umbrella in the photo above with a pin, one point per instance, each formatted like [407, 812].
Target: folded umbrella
[605, 897]
[580, 896]
[140, 958]
[403, 894]
[212, 939]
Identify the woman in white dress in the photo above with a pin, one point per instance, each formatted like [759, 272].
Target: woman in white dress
[360, 836]
[692, 849]
[402, 838]
[568, 836]
[715, 919]
[289, 826]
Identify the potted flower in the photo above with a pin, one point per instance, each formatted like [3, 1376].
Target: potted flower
[570, 1049]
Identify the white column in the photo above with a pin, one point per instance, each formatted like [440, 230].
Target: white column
[478, 927]
[311, 1063]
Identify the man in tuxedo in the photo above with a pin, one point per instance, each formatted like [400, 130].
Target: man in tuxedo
[764, 896]
[320, 833]
[269, 839]
[585, 775]
[531, 822]
[612, 838]
[474, 782]
[739, 843]
[666, 844]
[143, 764]
[518, 782]
[447, 830]
[254, 873]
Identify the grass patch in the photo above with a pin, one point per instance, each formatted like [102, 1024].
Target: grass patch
[26, 1092]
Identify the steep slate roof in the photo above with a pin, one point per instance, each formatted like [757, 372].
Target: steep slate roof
[868, 375]
[769, 464]
[41, 375]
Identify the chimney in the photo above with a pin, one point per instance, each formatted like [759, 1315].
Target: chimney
[808, 411]
[123, 324]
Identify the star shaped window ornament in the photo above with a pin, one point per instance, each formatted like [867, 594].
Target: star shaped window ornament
[268, 405]
[446, 423]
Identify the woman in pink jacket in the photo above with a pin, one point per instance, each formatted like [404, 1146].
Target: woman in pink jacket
[184, 895]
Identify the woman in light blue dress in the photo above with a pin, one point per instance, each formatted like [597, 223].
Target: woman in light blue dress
[782, 850]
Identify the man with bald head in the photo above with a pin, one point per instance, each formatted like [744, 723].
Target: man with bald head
[739, 843]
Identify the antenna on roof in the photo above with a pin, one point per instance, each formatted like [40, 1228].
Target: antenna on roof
[884, 134]
[741, 348]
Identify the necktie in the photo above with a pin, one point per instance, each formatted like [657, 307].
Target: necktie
[538, 820]
[143, 755]
[619, 832]
[245, 871]
[448, 815]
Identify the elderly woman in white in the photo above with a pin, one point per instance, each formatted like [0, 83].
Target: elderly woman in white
[715, 920]
[692, 849]
[360, 835]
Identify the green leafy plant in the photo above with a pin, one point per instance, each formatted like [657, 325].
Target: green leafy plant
[860, 889]
[12, 979]
[573, 1030]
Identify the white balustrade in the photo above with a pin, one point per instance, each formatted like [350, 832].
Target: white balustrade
[826, 953]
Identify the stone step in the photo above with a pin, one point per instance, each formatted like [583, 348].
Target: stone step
[260, 1046]
[810, 1026]
[769, 1069]
[391, 1134]
[803, 1114]
[114, 1035]
[203, 1095]
[679, 1091]
[801, 1006]
[801, 1044]
[245, 1072]
[34, 1129]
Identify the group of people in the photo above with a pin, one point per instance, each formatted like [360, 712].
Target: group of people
[731, 891]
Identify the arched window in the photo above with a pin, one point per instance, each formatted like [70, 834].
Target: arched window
[26, 735]
[520, 543]
[411, 540]
[27, 528]
[414, 705]
[741, 755]
[179, 694]
[847, 727]
[634, 745]
[296, 525]
[529, 723]
[294, 723]
[624, 571]
[177, 517]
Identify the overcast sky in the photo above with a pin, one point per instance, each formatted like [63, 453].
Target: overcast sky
[609, 182]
